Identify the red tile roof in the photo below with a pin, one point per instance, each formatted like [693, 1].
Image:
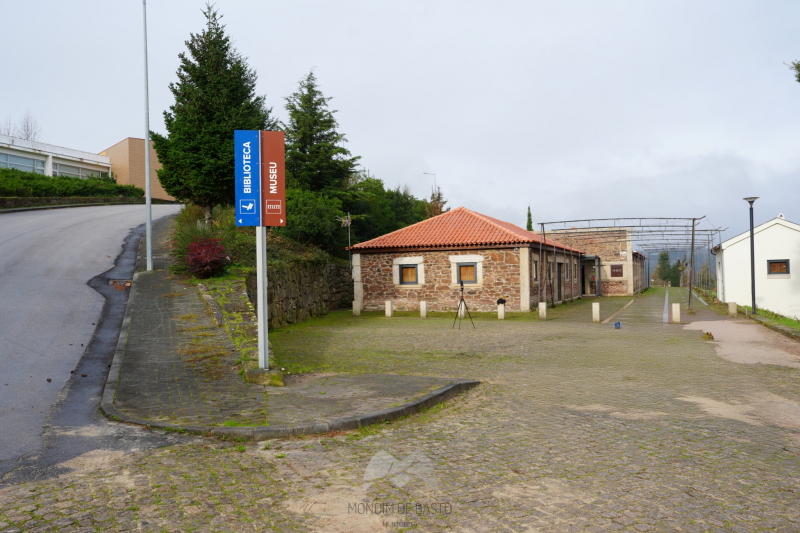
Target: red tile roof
[459, 227]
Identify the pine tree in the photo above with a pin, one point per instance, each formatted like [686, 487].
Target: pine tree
[529, 226]
[316, 159]
[214, 95]
[795, 66]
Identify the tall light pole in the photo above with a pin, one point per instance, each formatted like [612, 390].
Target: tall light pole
[750, 200]
[434, 180]
[148, 203]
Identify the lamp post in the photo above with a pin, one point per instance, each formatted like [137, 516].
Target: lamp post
[434, 179]
[148, 201]
[750, 200]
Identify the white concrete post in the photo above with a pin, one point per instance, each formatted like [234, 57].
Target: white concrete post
[676, 313]
[358, 286]
[542, 310]
[388, 309]
[356, 309]
[524, 279]
[501, 311]
[732, 309]
[595, 312]
[423, 309]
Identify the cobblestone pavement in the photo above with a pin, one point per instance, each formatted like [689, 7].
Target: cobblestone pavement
[577, 427]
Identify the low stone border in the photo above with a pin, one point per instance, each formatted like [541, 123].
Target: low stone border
[776, 326]
[107, 407]
[213, 306]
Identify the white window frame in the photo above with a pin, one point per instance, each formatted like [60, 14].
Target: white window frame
[419, 261]
[466, 258]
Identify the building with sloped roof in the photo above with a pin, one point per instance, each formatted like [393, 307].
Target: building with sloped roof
[430, 260]
[777, 251]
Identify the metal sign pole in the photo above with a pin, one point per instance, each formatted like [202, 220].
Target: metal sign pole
[261, 277]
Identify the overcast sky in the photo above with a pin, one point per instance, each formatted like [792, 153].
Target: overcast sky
[582, 109]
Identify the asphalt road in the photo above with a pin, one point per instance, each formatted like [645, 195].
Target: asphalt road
[55, 266]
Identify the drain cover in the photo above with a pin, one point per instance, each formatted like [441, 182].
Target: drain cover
[120, 284]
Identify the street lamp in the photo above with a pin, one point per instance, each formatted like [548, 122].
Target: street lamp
[148, 196]
[434, 179]
[750, 200]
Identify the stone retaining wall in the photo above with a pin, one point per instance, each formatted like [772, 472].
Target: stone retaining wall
[298, 291]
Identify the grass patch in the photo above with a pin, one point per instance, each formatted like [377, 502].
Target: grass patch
[793, 323]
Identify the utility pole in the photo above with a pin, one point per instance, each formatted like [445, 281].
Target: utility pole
[148, 203]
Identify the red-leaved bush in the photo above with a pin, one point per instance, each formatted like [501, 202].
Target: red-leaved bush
[206, 257]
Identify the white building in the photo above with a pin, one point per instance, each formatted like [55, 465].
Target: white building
[777, 251]
[31, 156]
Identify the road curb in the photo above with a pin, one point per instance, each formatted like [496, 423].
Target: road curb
[43, 207]
[775, 326]
[417, 405]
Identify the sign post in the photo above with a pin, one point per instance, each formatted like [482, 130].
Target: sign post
[260, 201]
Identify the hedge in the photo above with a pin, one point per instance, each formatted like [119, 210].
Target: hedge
[15, 182]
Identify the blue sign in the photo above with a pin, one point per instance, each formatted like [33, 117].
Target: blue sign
[248, 177]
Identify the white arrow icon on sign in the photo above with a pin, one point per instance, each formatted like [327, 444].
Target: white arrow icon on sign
[240, 221]
[281, 221]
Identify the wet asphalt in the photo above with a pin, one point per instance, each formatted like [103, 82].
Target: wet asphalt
[74, 429]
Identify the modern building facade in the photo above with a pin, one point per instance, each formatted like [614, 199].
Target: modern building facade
[777, 252]
[127, 163]
[51, 160]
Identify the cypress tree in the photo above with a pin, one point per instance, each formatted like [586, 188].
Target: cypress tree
[529, 226]
[214, 95]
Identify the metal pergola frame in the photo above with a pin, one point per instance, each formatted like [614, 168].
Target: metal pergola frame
[646, 235]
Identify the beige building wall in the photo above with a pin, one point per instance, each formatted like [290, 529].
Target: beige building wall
[127, 164]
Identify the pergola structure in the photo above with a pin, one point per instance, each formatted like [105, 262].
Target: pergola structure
[646, 235]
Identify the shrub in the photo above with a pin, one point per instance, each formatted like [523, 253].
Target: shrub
[15, 182]
[239, 243]
[206, 257]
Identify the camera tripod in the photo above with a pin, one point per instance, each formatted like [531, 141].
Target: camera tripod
[463, 302]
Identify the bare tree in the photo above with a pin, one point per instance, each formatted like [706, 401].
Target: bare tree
[28, 128]
[7, 127]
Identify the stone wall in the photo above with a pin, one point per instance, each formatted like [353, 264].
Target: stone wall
[499, 277]
[551, 284]
[613, 246]
[298, 291]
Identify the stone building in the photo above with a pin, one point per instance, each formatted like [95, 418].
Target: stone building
[428, 261]
[610, 266]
